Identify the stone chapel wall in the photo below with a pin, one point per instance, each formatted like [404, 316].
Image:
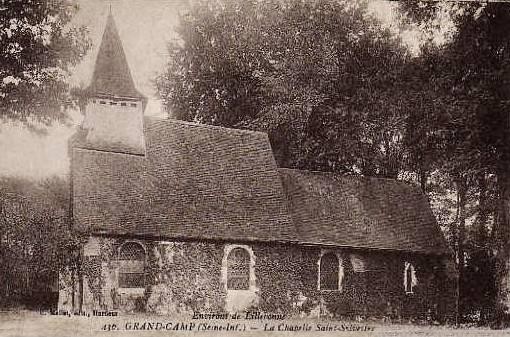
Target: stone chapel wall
[187, 277]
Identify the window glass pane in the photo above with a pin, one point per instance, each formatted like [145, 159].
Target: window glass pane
[131, 266]
[238, 269]
[134, 280]
[127, 266]
[132, 251]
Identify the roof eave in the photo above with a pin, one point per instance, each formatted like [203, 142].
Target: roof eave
[371, 249]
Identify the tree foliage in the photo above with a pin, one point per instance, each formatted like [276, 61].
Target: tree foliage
[472, 90]
[35, 237]
[337, 92]
[38, 47]
[323, 78]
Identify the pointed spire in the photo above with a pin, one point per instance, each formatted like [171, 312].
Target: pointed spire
[112, 76]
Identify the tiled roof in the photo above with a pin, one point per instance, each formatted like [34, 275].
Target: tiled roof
[112, 76]
[205, 182]
[361, 212]
[195, 181]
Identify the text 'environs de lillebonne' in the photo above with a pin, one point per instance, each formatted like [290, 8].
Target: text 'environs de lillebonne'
[253, 315]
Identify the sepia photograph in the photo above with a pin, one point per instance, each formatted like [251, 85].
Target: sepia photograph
[254, 167]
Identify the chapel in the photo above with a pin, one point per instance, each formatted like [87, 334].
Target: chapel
[178, 217]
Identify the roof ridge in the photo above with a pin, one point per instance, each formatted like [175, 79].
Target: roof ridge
[204, 126]
[317, 172]
[120, 153]
[347, 175]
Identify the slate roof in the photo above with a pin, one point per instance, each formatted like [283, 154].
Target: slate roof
[112, 76]
[195, 181]
[361, 212]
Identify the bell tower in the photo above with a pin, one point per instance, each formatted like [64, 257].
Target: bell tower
[114, 111]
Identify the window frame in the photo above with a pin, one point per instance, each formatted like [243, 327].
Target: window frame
[228, 248]
[339, 271]
[408, 282]
[132, 290]
[246, 268]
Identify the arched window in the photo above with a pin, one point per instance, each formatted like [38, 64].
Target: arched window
[409, 278]
[329, 272]
[238, 269]
[131, 265]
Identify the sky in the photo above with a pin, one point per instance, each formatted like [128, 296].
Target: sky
[145, 27]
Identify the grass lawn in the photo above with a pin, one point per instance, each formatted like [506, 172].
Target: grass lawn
[30, 323]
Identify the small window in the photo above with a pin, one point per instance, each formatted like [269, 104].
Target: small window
[133, 104]
[123, 104]
[113, 103]
[102, 102]
[329, 272]
[131, 265]
[359, 263]
[410, 280]
[238, 269]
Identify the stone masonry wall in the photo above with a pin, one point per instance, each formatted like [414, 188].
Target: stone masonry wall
[183, 277]
[180, 277]
[378, 290]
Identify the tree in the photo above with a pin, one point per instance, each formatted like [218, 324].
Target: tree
[37, 50]
[323, 78]
[475, 80]
[336, 92]
[35, 237]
